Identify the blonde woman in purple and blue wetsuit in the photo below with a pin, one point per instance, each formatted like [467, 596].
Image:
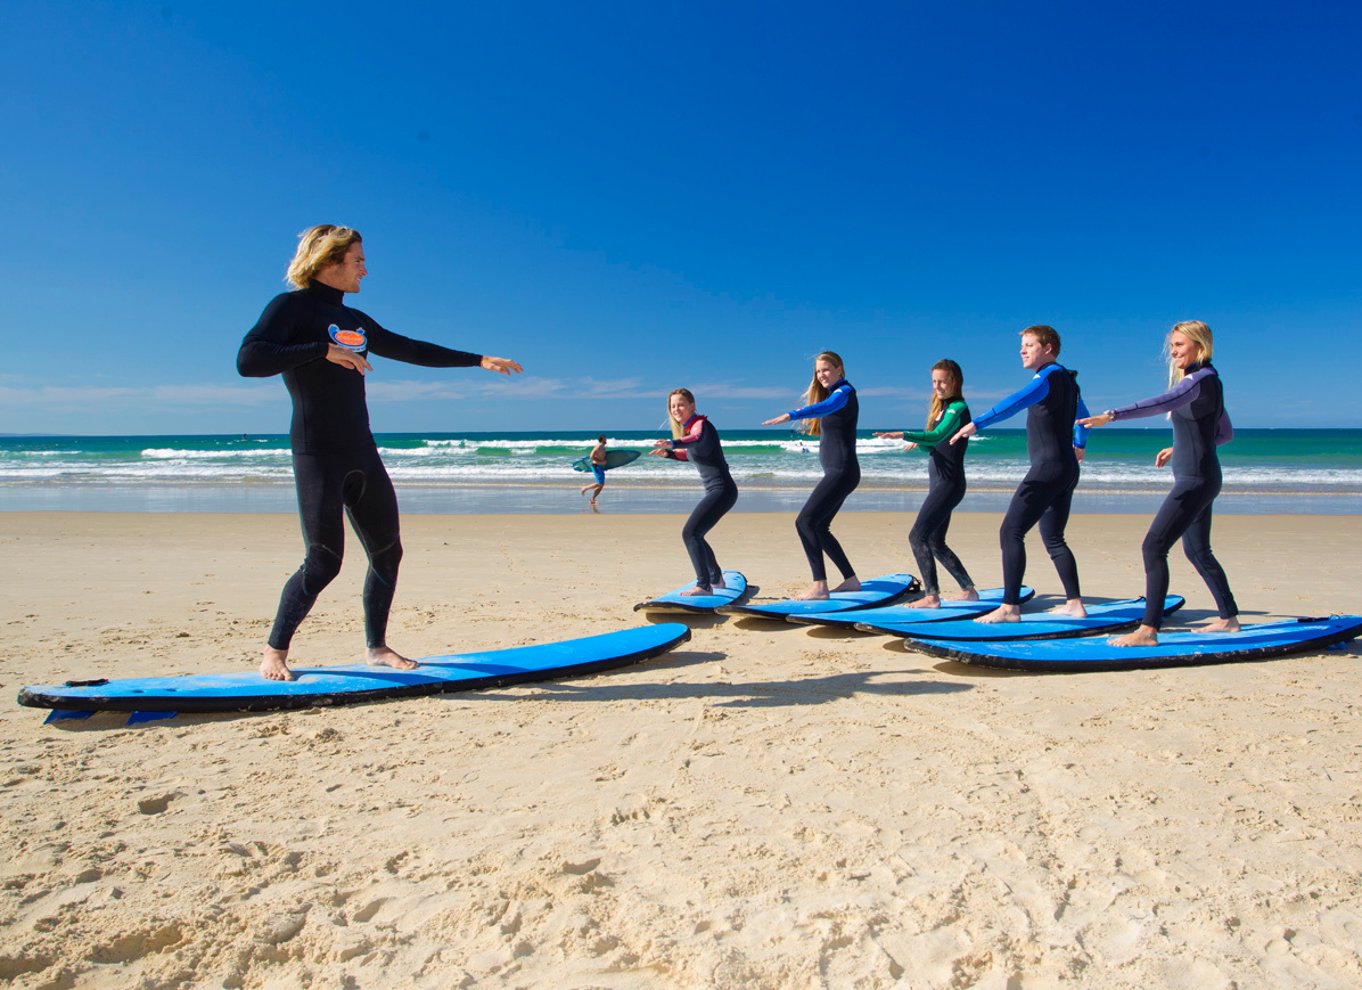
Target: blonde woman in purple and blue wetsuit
[1195, 402]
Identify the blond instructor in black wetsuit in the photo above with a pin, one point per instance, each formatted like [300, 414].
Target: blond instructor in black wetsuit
[321, 348]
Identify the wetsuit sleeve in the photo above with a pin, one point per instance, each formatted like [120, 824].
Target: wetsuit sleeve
[1081, 432]
[1035, 391]
[944, 430]
[1184, 393]
[1224, 429]
[827, 407]
[699, 438]
[269, 347]
[394, 346]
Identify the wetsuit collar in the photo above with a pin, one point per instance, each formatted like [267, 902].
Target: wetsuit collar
[326, 293]
[693, 418]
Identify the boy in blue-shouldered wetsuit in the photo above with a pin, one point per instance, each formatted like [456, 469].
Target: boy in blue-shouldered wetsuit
[1054, 445]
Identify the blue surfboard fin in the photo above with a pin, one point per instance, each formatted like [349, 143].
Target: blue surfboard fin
[62, 715]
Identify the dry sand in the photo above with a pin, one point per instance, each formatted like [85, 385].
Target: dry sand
[768, 806]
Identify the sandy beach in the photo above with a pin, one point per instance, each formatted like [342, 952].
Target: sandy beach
[767, 806]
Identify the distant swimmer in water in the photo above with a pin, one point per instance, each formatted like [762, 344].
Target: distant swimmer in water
[321, 347]
[946, 483]
[695, 439]
[831, 411]
[1195, 402]
[1055, 447]
[597, 458]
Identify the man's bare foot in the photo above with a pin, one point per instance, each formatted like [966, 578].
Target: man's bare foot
[964, 596]
[274, 665]
[852, 583]
[816, 593]
[1144, 636]
[583, 491]
[1230, 625]
[1072, 608]
[928, 601]
[696, 592]
[383, 656]
[1003, 613]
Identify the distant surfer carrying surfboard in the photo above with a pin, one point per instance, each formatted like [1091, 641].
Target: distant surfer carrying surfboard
[1055, 446]
[597, 458]
[946, 488]
[831, 411]
[321, 346]
[1195, 402]
[695, 439]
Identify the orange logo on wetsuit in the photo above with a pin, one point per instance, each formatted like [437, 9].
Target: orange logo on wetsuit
[351, 340]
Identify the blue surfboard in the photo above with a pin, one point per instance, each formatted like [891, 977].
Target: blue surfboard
[876, 591]
[355, 683]
[1106, 617]
[1257, 642]
[734, 591]
[989, 599]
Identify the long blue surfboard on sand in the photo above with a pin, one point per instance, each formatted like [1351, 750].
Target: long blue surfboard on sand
[989, 599]
[356, 683]
[1257, 642]
[876, 591]
[735, 589]
[613, 459]
[1106, 617]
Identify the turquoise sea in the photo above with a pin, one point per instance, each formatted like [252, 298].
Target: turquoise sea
[1266, 471]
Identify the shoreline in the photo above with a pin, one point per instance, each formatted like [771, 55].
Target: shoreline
[620, 497]
[765, 803]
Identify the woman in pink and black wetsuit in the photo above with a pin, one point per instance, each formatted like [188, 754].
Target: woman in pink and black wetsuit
[696, 440]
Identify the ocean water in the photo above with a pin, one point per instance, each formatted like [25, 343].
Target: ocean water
[1266, 471]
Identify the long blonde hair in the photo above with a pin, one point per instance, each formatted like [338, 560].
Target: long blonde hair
[678, 429]
[816, 393]
[319, 246]
[1198, 333]
[956, 378]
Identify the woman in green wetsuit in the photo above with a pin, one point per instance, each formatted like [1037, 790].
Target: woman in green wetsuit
[946, 471]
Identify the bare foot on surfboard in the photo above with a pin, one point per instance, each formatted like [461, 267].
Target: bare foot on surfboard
[1144, 636]
[1073, 608]
[1003, 613]
[696, 592]
[852, 583]
[816, 593]
[383, 656]
[274, 665]
[928, 601]
[964, 596]
[1230, 625]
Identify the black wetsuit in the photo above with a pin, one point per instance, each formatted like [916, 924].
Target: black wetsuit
[946, 489]
[336, 466]
[1045, 495]
[841, 475]
[1200, 424]
[701, 445]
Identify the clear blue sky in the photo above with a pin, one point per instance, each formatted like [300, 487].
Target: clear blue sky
[632, 196]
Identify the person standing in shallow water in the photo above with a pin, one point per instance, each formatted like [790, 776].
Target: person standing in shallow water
[946, 488]
[1195, 402]
[831, 411]
[321, 348]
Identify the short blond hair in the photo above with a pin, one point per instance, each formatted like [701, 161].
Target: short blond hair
[318, 247]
